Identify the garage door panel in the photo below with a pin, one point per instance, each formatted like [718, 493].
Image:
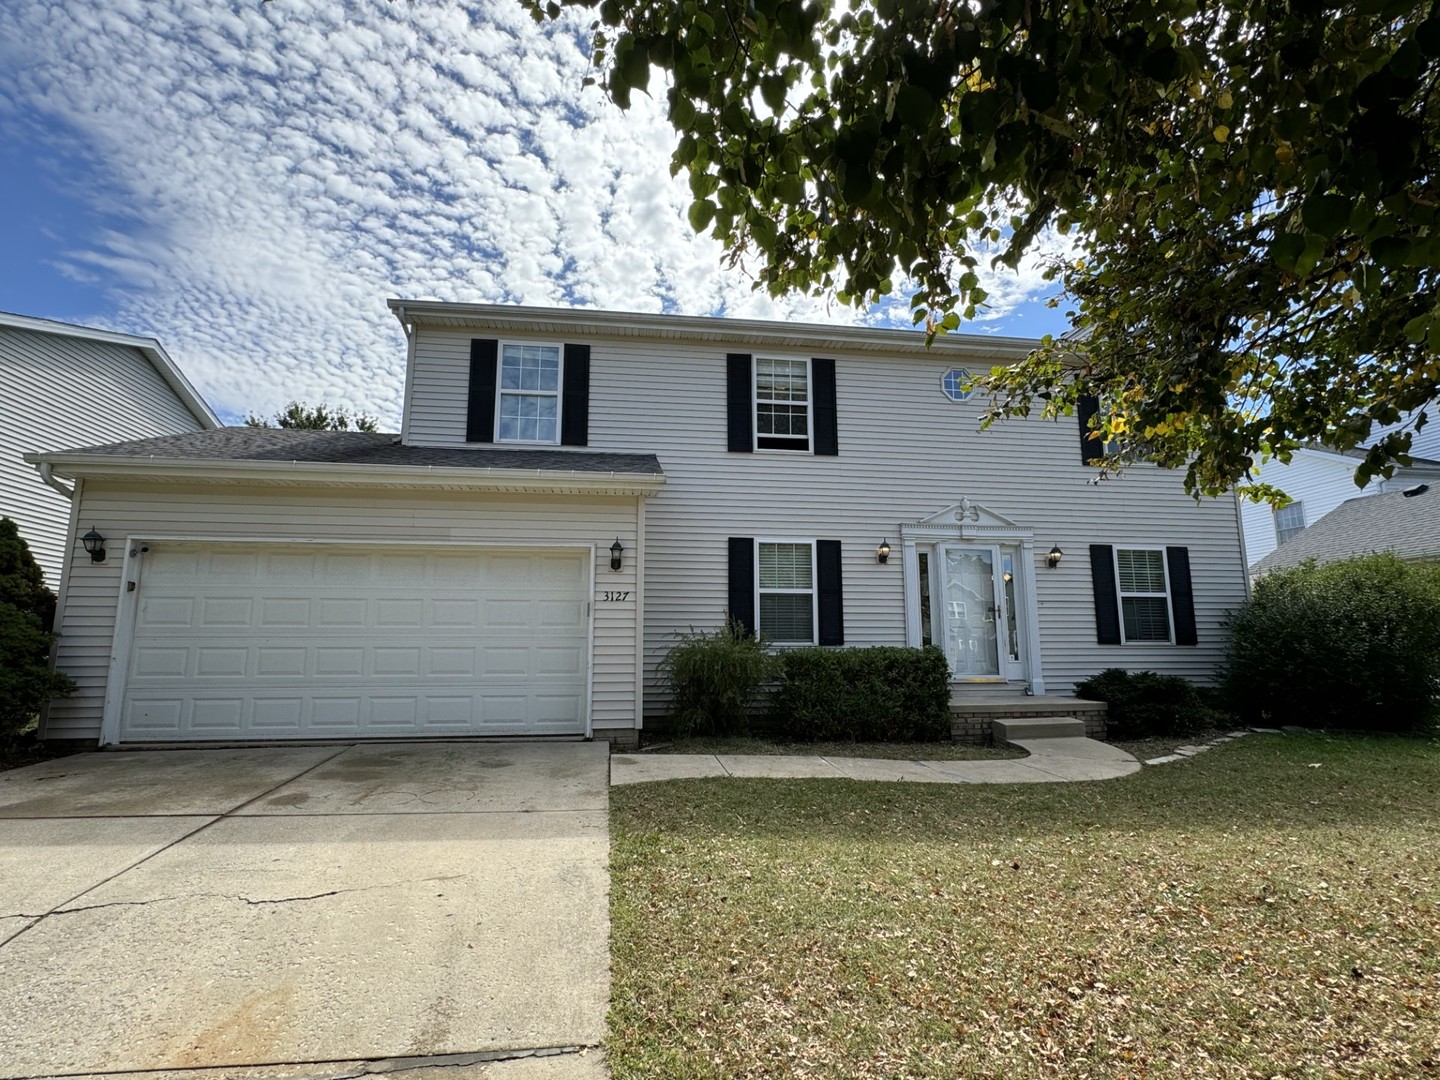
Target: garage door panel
[234, 644]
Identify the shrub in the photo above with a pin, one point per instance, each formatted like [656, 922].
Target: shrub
[1145, 703]
[882, 694]
[714, 679]
[27, 610]
[1354, 644]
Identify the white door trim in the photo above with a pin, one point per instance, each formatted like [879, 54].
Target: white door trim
[135, 547]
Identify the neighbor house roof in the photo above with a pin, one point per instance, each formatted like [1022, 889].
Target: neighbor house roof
[1408, 526]
[281, 455]
[148, 347]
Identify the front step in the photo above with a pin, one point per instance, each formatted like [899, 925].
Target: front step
[1010, 729]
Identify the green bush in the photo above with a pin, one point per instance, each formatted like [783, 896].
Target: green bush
[882, 694]
[714, 680]
[1354, 644]
[1144, 704]
[27, 610]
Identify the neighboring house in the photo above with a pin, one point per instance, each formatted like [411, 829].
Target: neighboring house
[63, 385]
[1405, 523]
[1317, 481]
[572, 488]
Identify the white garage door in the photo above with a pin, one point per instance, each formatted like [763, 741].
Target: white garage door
[262, 641]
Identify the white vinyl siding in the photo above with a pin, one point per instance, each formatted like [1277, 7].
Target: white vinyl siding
[64, 392]
[372, 518]
[906, 452]
[785, 592]
[1144, 596]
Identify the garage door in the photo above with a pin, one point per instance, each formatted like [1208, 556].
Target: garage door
[257, 641]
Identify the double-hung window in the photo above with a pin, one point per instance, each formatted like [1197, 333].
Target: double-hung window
[527, 406]
[785, 587]
[782, 404]
[1289, 520]
[1144, 594]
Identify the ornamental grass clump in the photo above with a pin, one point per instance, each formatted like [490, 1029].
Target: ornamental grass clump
[1353, 645]
[714, 679]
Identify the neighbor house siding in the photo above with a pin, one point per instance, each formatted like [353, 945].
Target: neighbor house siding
[62, 392]
[87, 641]
[905, 452]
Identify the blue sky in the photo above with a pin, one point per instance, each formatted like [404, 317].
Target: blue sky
[248, 182]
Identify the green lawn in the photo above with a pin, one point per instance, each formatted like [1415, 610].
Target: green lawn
[1271, 908]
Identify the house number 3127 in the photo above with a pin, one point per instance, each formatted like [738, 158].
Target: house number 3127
[612, 597]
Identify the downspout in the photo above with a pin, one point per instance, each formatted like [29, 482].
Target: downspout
[47, 474]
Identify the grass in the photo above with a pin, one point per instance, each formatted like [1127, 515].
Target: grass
[1269, 909]
[1160, 745]
[736, 744]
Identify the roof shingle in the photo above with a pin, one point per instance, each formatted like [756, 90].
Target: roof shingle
[1407, 526]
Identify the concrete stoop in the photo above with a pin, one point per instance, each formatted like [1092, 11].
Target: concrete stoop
[1016, 729]
[973, 720]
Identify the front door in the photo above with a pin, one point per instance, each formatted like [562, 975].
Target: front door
[973, 610]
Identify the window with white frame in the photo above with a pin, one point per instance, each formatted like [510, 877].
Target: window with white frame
[528, 402]
[782, 404]
[785, 581]
[1144, 595]
[1289, 520]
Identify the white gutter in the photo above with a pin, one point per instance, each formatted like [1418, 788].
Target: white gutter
[488, 478]
[47, 474]
[700, 328]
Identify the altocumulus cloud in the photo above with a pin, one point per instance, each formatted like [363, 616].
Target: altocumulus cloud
[284, 167]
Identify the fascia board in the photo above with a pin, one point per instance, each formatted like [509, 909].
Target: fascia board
[961, 347]
[74, 466]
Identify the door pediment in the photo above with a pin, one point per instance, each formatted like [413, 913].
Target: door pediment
[966, 520]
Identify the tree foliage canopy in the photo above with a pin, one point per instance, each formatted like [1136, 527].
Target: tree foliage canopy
[322, 417]
[1251, 187]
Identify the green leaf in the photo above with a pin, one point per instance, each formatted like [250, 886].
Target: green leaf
[702, 212]
[1326, 214]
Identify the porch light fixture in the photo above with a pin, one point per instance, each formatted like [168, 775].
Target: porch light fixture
[1052, 559]
[94, 545]
[882, 553]
[617, 552]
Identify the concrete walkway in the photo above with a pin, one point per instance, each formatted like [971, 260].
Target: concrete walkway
[1051, 760]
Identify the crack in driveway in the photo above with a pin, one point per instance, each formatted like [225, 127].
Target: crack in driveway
[233, 896]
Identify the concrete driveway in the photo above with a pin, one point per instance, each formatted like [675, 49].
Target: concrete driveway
[326, 911]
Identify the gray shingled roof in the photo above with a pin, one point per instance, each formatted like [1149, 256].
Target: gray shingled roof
[362, 448]
[1409, 527]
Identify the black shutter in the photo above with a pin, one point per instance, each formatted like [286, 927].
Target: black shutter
[1182, 596]
[739, 403]
[822, 398]
[830, 603]
[480, 411]
[742, 581]
[575, 397]
[1107, 601]
[1086, 407]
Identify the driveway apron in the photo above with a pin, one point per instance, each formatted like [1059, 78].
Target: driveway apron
[182, 909]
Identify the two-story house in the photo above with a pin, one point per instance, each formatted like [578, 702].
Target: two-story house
[570, 489]
[66, 385]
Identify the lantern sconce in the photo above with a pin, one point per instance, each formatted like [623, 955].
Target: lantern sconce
[1053, 557]
[617, 553]
[94, 545]
[882, 553]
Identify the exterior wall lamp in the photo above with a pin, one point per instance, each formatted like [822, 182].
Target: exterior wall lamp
[94, 545]
[882, 553]
[617, 553]
[1053, 557]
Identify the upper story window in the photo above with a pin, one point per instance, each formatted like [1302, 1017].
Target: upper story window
[1289, 520]
[1144, 595]
[528, 402]
[782, 404]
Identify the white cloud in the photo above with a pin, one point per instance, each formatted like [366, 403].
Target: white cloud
[288, 166]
